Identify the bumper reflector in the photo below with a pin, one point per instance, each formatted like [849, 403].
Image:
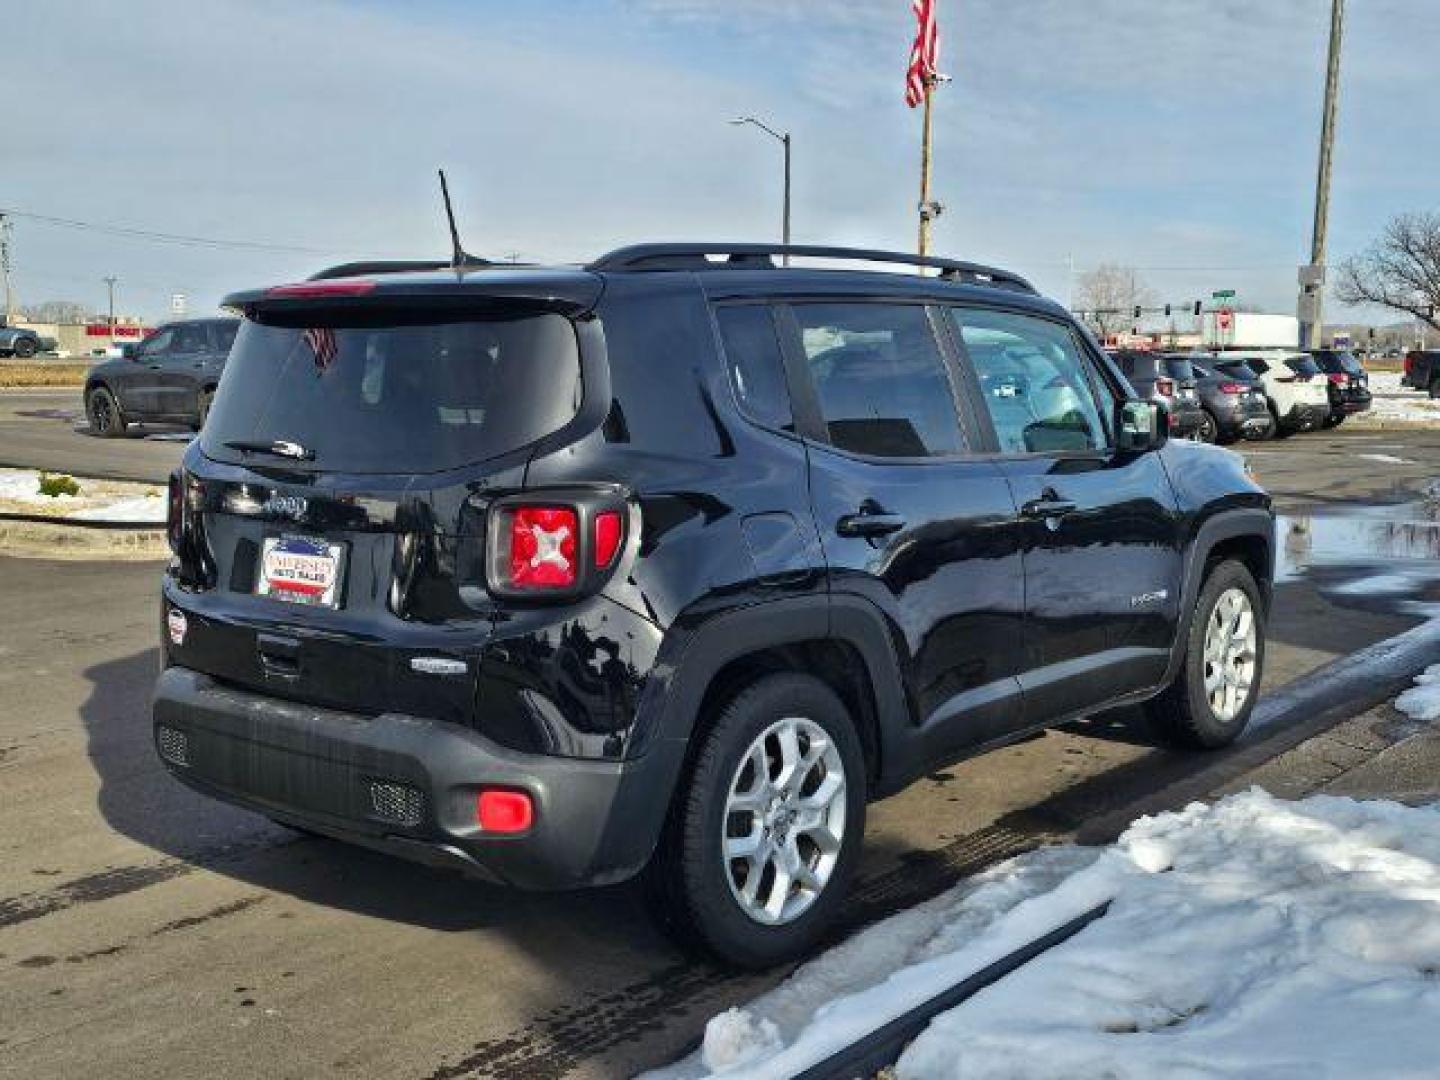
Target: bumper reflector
[504, 811]
[174, 746]
[398, 804]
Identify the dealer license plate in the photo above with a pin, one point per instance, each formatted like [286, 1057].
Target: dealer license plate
[301, 570]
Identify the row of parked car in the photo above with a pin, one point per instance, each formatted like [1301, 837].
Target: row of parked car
[1219, 397]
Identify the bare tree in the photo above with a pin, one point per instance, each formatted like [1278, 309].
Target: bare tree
[58, 311]
[1107, 297]
[1400, 271]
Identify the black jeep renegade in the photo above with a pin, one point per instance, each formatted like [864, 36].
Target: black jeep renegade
[672, 562]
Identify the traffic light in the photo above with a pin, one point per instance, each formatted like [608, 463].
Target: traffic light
[1137, 311]
[1197, 307]
[1372, 333]
[1167, 311]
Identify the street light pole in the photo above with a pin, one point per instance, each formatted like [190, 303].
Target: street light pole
[784, 141]
[110, 282]
[1312, 277]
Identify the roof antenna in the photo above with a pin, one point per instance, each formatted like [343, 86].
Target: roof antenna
[458, 257]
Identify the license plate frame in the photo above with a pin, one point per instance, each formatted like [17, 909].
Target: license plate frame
[308, 571]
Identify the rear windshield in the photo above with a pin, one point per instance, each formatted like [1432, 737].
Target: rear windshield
[397, 396]
[1179, 368]
[1302, 365]
[1337, 362]
[1239, 370]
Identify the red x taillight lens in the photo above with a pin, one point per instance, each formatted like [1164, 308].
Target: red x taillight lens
[542, 542]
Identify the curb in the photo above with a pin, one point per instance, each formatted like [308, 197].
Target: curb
[37, 536]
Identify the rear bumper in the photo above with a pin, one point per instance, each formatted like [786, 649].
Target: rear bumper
[1186, 421]
[595, 822]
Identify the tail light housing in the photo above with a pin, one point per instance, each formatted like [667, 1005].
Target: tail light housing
[553, 545]
[175, 511]
[1410, 363]
[1338, 378]
[1232, 388]
[1165, 387]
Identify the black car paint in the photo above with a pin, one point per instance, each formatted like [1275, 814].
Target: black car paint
[969, 625]
[1347, 382]
[1422, 371]
[166, 387]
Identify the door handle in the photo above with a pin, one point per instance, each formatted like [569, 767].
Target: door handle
[869, 525]
[1049, 505]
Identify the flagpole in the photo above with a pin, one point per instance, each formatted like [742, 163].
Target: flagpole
[925, 208]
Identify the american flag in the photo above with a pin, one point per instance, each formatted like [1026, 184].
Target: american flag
[924, 54]
[321, 340]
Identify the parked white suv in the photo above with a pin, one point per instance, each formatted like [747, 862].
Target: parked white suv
[1295, 387]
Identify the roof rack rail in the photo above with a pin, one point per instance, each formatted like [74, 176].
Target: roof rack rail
[397, 266]
[640, 257]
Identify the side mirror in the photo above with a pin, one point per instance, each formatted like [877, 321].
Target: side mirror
[1141, 426]
[129, 351]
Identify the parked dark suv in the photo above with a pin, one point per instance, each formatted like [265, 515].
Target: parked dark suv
[169, 378]
[669, 564]
[1169, 381]
[1346, 382]
[1234, 401]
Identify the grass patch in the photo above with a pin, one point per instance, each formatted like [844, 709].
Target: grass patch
[14, 375]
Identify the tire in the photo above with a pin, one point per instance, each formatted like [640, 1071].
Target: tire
[203, 403]
[1277, 429]
[1334, 420]
[695, 892]
[1209, 430]
[25, 348]
[103, 412]
[1435, 387]
[1185, 713]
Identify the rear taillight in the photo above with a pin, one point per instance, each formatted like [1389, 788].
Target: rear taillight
[1165, 387]
[1231, 388]
[540, 547]
[552, 548]
[1337, 378]
[608, 530]
[1409, 363]
[175, 511]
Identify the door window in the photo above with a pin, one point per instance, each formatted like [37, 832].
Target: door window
[757, 369]
[190, 339]
[1037, 387]
[880, 379]
[224, 334]
[158, 345]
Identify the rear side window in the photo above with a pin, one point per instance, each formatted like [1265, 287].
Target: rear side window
[1302, 365]
[1036, 384]
[757, 368]
[1179, 368]
[398, 394]
[224, 335]
[880, 379]
[1237, 370]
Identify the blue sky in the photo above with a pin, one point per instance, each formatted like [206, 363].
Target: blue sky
[1177, 137]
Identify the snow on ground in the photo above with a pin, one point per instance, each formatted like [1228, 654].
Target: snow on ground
[98, 500]
[1422, 701]
[1255, 938]
[1395, 403]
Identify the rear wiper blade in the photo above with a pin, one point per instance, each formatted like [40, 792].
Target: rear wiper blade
[277, 447]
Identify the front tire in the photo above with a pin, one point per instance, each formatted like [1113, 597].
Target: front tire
[1209, 431]
[103, 412]
[1210, 700]
[763, 839]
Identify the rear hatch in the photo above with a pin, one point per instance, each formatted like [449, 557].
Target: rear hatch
[1186, 385]
[338, 497]
[1305, 374]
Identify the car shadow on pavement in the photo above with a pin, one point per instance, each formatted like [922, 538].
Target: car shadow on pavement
[142, 802]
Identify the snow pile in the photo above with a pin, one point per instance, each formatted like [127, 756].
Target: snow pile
[98, 500]
[1422, 701]
[1394, 402]
[1254, 937]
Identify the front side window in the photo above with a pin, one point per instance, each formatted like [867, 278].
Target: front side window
[158, 345]
[880, 379]
[757, 369]
[1034, 381]
[190, 339]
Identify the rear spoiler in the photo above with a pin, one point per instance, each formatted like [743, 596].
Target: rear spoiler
[572, 293]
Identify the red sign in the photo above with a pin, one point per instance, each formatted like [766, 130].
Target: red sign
[1224, 318]
[103, 330]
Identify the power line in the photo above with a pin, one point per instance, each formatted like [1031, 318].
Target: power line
[163, 237]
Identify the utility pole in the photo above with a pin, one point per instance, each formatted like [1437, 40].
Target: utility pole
[784, 139]
[929, 209]
[1312, 277]
[110, 281]
[5, 269]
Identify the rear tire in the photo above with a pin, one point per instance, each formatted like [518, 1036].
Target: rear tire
[699, 883]
[1435, 387]
[103, 412]
[1210, 700]
[1334, 420]
[25, 348]
[1209, 430]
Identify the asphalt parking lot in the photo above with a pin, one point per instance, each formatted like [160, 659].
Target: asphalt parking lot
[159, 933]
